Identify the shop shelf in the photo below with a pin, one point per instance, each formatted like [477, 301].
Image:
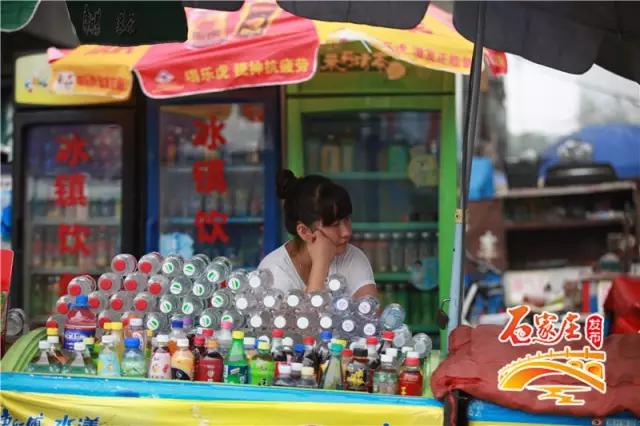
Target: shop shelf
[227, 168]
[66, 270]
[391, 276]
[249, 220]
[394, 226]
[367, 175]
[92, 221]
[535, 225]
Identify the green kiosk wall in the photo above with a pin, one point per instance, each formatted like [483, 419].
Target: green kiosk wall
[338, 103]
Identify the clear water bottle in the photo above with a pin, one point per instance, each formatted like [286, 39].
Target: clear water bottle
[169, 304]
[210, 318]
[422, 344]
[336, 283]
[158, 285]
[295, 300]
[106, 316]
[369, 327]
[98, 301]
[283, 321]
[121, 301]
[192, 305]
[63, 303]
[223, 336]
[319, 299]
[82, 284]
[181, 286]
[306, 322]
[172, 265]
[203, 288]
[218, 270]
[221, 299]
[150, 263]
[392, 317]
[135, 282]
[325, 320]
[245, 302]
[195, 266]
[260, 321]
[144, 302]
[110, 282]
[260, 280]
[156, 322]
[124, 263]
[347, 327]
[402, 336]
[238, 281]
[367, 306]
[342, 305]
[234, 317]
[272, 299]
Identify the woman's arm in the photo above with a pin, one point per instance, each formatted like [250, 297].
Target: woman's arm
[322, 251]
[366, 290]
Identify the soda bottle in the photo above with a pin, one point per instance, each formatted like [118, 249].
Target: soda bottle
[135, 282]
[109, 283]
[182, 362]
[63, 303]
[284, 377]
[121, 301]
[218, 270]
[373, 357]
[123, 263]
[195, 266]
[325, 320]
[172, 265]
[393, 353]
[332, 378]
[156, 322]
[336, 283]
[158, 285]
[82, 284]
[160, 364]
[250, 348]
[385, 378]
[260, 280]
[210, 318]
[224, 337]
[410, 380]
[387, 341]
[192, 305]
[98, 301]
[323, 351]
[198, 352]
[403, 354]
[236, 367]
[169, 304]
[295, 300]
[108, 360]
[392, 317]
[319, 299]
[203, 288]
[238, 281]
[211, 365]
[221, 299]
[367, 306]
[177, 333]
[180, 286]
[310, 356]
[298, 352]
[245, 301]
[117, 333]
[262, 366]
[135, 330]
[80, 323]
[357, 373]
[133, 363]
[44, 361]
[150, 263]
[208, 334]
[287, 348]
[144, 302]
[341, 305]
[308, 379]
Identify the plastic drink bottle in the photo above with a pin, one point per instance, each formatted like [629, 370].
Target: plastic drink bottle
[98, 301]
[368, 328]
[198, 352]
[308, 378]
[156, 321]
[182, 362]
[82, 284]
[202, 288]
[44, 361]
[160, 364]
[236, 367]
[208, 334]
[238, 281]
[108, 316]
[210, 368]
[403, 355]
[210, 318]
[80, 323]
[306, 322]
[298, 352]
[133, 363]
[347, 357]
[56, 348]
[295, 300]
[108, 360]
[357, 372]
[332, 378]
[180, 286]
[422, 344]
[123, 263]
[279, 357]
[282, 321]
[336, 283]
[109, 283]
[262, 366]
[135, 282]
[259, 321]
[245, 301]
[90, 344]
[144, 302]
[169, 304]
[319, 299]
[172, 265]
[325, 320]
[392, 317]
[158, 285]
[218, 270]
[192, 305]
[221, 299]
[341, 305]
[177, 333]
[284, 377]
[393, 353]
[236, 318]
[387, 341]
[121, 301]
[287, 348]
[250, 348]
[195, 266]
[150, 263]
[373, 359]
[135, 330]
[117, 333]
[260, 280]
[402, 336]
[56, 321]
[310, 356]
[347, 327]
[224, 337]
[128, 315]
[272, 299]
[367, 306]
[62, 304]
[385, 378]
[410, 380]
[296, 372]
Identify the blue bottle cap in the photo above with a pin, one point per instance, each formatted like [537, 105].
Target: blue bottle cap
[82, 301]
[131, 342]
[326, 335]
[298, 347]
[177, 323]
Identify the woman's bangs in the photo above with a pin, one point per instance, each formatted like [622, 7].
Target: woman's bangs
[334, 204]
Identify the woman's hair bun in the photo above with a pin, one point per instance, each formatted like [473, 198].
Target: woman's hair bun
[285, 183]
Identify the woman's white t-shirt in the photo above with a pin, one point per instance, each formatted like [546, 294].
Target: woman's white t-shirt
[352, 264]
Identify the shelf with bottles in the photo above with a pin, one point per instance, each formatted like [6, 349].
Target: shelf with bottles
[91, 221]
[186, 221]
[421, 306]
[107, 207]
[394, 226]
[245, 168]
[367, 175]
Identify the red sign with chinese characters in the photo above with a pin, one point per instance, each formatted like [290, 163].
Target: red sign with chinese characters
[258, 45]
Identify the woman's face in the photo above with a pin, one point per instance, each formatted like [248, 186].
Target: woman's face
[338, 232]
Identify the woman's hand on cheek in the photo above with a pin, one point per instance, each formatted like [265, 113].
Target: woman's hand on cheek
[321, 249]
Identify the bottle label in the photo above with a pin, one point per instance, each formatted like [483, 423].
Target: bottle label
[198, 289]
[234, 284]
[213, 276]
[187, 308]
[166, 307]
[76, 334]
[356, 377]
[236, 374]
[342, 304]
[108, 365]
[175, 288]
[262, 372]
[364, 308]
[385, 383]
[317, 301]
[210, 370]
[369, 329]
[205, 321]
[348, 326]
[182, 367]
[410, 383]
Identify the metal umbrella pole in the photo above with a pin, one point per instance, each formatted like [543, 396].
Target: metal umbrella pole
[456, 289]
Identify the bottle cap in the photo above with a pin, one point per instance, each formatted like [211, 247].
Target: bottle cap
[309, 340]
[107, 325]
[284, 370]
[52, 324]
[105, 283]
[145, 266]
[162, 338]
[346, 352]
[141, 305]
[336, 347]
[117, 304]
[298, 347]
[207, 332]
[131, 342]
[412, 361]
[386, 358]
[149, 333]
[413, 354]
[227, 325]
[342, 342]
[116, 325]
[89, 341]
[388, 335]
[136, 322]
[287, 341]
[372, 340]
[183, 343]
[392, 352]
[79, 346]
[82, 301]
[360, 352]
[277, 333]
[187, 321]
[119, 265]
[295, 366]
[43, 344]
[326, 335]
[237, 335]
[131, 284]
[198, 340]
[263, 346]
[308, 371]
[107, 339]
[177, 323]
[52, 331]
[249, 341]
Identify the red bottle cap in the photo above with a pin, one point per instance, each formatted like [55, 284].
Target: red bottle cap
[131, 284]
[155, 288]
[207, 332]
[117, 304]
[106, 284]
[52, 324]
[388, 335]
[102, 321]
[278, 332]
[94, 302]
[346, 352]
[309, 340]
[144, 266]
[125, 322]
[372, 340]
[74, 290]
[412, 361]
[141, 304]
[199, 340]
[62, 308]
[119, 265]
